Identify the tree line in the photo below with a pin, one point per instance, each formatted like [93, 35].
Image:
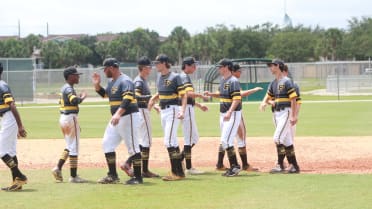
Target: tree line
[292, 44]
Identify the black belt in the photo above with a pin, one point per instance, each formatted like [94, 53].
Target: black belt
[67, 113]
[164, 107]
[280, 109]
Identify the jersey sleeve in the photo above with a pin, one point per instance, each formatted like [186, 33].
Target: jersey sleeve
[127, 94]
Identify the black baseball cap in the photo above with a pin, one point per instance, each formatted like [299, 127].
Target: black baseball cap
[275, 62]
[189, 61]
[110, 62]
[224, 62]
[70, 71]
[144, 61]
[161, 58]
[236, 67]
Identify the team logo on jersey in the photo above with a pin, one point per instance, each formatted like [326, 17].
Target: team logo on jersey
[114, 90]
[167, 82]
[281, 87]
[226, 86]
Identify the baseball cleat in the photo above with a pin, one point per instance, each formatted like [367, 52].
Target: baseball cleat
[109, 179]
[234, 171]
[127, 169]
[193, 171]
[277, 169]
[149, 174]
[17, 184]
[172, 177]
[57, 173]
[77, 179]
[249, 168]
[134, 181]
[292, 169]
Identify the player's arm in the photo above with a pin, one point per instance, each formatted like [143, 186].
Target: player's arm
[153, 100]
[183, 104]
[21, 130]
[250, 91]
[201, 106]
[293, 96]
[212, 94]
[232, 108]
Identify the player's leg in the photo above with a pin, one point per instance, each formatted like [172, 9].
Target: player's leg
[221, 151]
[73, 144]
[281, 131]
[128, 129]
[290, 154]
[242, 144]
[111, 139]
[229, 132]
[170, 125]
[145, 136]
[8, 147]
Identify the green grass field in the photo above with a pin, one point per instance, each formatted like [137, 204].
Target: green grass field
[253, 190]
[316, 119]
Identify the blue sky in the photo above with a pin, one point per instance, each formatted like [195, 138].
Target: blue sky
[93, 16]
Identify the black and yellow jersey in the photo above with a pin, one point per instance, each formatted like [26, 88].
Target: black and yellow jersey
[6, 97]
[142, 91]
[170, 88]
[69, 101]
[281, 91]
[121, 94]
[188, 87]
[229, 90]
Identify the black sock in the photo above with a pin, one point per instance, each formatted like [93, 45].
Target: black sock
[232, 157]
[73, 165]
[145, 153]
[221, 155]
[9, 161]
[63, 158]
[137, 165]
[179, 163]
[281, 154]
[243, 156]
[172, 156]
[187, 154]
[291, 156]
[111, 163]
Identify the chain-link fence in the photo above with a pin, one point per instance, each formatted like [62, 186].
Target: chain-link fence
[327, 78]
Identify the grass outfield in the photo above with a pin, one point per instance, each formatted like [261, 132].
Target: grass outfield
[316, 119]
[253, 190]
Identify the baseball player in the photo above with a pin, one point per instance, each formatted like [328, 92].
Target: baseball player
[282, 91]
[68, 121]
[170, 89]
[124, 123]
[241, 136]
[11, 127]
[190, 131]
[230, 112]
[143, 95]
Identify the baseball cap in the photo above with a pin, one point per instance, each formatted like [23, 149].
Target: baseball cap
[144, 61]
[110, 62]
[275, 62]
[224, 62]
[189, 61]
[161, 58]
[236, 67]
[70, 71]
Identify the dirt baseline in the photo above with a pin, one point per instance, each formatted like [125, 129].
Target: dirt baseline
[314, 154]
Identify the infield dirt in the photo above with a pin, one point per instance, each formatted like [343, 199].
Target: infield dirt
[314, 154]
